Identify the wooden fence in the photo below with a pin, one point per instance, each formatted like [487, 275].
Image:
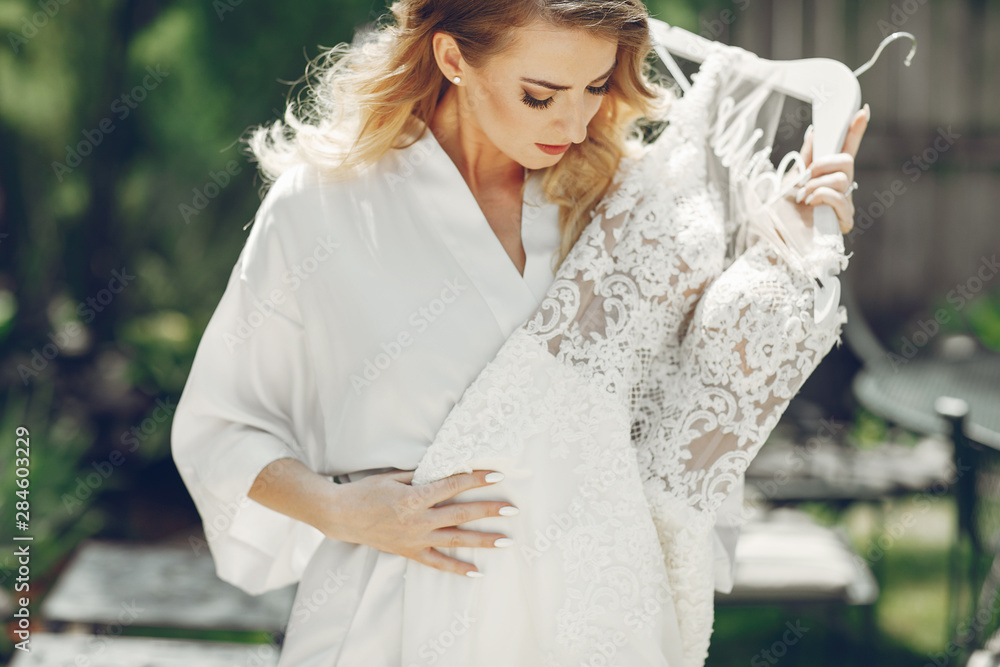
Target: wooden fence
[929, 166]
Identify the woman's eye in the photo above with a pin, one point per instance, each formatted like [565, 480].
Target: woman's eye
[535, 103]
[601, 90]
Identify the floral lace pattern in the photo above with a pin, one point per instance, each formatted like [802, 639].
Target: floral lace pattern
[629, 404]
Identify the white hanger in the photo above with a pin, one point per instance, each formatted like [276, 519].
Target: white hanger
[832, 89]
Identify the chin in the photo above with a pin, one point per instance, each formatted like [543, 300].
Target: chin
[540, 160]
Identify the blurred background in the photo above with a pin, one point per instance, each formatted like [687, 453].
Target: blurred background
[123, 196]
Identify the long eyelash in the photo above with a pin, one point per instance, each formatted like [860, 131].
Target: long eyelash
[603, 90]
[535, 103]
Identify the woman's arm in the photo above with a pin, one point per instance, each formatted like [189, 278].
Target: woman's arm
[290, 487]
[383, 511]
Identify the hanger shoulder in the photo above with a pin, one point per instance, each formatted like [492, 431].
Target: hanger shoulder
[832, 90]
[829, 86]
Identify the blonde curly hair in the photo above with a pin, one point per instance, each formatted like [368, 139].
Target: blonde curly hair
[368, 92]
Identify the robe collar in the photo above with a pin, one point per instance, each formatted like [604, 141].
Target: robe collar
[448, 205]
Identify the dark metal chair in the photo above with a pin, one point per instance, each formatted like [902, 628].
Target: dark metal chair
[950, 389]
[978, 501]
[903, 390]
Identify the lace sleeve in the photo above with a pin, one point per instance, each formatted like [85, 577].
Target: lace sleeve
[750, 346]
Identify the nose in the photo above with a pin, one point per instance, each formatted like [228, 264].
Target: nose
[574, 121]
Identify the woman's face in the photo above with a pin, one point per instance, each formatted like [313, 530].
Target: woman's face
[541, 92]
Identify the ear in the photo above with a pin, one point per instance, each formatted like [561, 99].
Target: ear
[448, 56]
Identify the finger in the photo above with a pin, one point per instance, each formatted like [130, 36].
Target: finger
[829, 164]
[835, 181]
[437, 560]
[404, 476]
[842, 206]
[453, 538]
[856, 130]
[454, 514]
[452, 485]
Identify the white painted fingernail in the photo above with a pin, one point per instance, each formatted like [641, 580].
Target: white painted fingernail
[509, 510]
[473, 573]
[810, 198]
[503, 542]
[494, 477]
[800, 195]
[805, 178]
[808, 130]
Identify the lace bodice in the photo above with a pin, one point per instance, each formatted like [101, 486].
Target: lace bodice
[636, 396]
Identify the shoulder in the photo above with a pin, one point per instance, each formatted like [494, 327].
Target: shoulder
[304, 186]
[304, 200]
[305, 207]
[297, 207]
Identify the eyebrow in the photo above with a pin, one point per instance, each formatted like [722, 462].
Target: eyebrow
[556, 86]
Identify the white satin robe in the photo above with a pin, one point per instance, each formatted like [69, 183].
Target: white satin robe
[354, 318]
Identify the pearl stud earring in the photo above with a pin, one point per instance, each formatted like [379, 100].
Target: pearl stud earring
[457, 79]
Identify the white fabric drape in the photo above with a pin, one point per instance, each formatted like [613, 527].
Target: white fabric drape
[625, 412]
[379, 324]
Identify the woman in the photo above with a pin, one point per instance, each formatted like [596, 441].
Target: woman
[372, 290]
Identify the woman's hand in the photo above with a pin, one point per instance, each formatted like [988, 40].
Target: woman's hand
[831, 176]
[386, 512]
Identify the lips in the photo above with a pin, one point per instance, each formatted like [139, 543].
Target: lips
[553, 150]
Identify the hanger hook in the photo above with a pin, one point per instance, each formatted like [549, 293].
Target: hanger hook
[891, 38]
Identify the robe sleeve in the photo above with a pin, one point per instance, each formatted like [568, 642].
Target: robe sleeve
[247, 399]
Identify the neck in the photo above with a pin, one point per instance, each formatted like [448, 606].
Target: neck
[480, 162]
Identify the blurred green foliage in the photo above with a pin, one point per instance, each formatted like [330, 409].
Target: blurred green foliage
[113, 116]
[976, 315]
[124, 193]
[118, 118]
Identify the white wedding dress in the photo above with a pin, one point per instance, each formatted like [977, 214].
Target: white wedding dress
[625, 410]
